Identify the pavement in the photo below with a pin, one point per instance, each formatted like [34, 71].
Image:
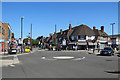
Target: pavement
[11, 60]
[61, 64]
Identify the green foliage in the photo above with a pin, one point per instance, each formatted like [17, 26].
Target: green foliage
[34, 42]
[25, 41]
[27, 47]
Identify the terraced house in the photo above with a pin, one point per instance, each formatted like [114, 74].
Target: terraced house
[81, 36]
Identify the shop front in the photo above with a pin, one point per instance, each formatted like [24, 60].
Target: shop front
[2, 45]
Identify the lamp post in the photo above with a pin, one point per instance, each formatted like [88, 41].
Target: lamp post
[31, 38]
[112, 32]
[21, 31]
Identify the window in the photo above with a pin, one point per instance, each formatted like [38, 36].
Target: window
[81, 37]
[0, 29]
[75, 37]
[9, 32]
[78, 36]
[3, 31]
[72, 37]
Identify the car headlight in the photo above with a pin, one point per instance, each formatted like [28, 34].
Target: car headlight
[109, 52]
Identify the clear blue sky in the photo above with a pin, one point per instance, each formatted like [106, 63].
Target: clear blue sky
[44, 16]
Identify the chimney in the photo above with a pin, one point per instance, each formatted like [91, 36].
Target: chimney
[94, 27]
[102, 28]
[61, 31]
[50, 34]
[70, 27]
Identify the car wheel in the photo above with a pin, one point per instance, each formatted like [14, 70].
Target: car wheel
[118, 55]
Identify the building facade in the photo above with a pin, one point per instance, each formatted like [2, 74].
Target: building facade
[115, 40]
[5, 36]
[82, 37]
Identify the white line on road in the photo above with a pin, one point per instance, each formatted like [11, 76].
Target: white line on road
[63, 58]
[79, 58]
[44, 58]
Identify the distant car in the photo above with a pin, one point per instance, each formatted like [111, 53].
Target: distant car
[13, 51]
[117, 48]
[53, 47]
[118, 54]
[107, 51]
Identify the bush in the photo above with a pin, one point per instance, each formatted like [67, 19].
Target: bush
[28, 47]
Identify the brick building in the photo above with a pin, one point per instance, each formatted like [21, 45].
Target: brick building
[5, 35]
[115, 40]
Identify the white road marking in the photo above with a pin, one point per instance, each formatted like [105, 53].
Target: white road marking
[63, 57]
[44, 58]
[12, 65]
[79, 58]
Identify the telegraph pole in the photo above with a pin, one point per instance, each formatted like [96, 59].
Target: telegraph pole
[21, 31]
[112, 32]
[31, 37]
[56, 37]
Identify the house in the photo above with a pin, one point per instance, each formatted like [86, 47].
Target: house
[101, 37]
[81, 36]
[115, 40]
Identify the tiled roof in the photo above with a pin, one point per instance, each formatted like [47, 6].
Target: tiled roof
[100, 33]
[82, 30]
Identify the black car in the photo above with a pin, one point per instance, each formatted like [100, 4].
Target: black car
[107, 51]
[118, 54]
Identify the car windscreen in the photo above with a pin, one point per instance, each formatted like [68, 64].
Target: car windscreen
[107, 49]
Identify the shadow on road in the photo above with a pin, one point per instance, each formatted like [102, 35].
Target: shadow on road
[113, 72]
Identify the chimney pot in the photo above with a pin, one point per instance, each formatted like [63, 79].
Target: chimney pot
[61, 31]
[50, 34]
[70, 27]
[102, 28]
[94, 28]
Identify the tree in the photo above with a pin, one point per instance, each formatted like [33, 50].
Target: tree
[35, 42]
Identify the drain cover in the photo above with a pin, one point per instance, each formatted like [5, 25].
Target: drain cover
[63, 57]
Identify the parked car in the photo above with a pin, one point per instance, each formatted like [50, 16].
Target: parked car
[53, 47]
[107, 51]
[117, 48]
[118, 54]
[12, 51]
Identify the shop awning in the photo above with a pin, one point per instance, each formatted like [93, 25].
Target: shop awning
[1, 40]
[90, 43]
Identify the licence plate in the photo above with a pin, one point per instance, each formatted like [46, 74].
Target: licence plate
[13, 50]
[105, 52]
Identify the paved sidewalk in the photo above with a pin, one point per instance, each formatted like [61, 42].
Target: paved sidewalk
[95, 52]
[8, 60]
[64, 50]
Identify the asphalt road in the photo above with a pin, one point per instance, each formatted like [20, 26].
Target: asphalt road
[41, 64]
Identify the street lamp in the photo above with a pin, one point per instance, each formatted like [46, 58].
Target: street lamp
[112, 28]
[21, 30]
[112, 32]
